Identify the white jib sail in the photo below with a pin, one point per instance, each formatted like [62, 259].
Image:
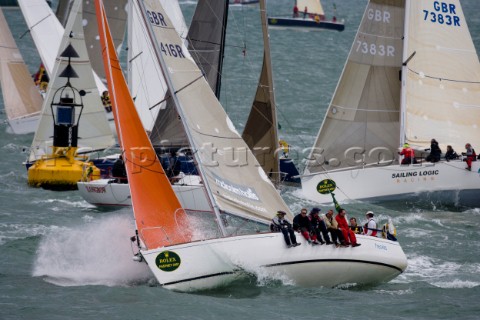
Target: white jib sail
[443, 77]
[145, 78]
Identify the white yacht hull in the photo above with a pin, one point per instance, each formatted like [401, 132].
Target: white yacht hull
[24, 125]
[447, 182]
[212, 263]
[105, 192]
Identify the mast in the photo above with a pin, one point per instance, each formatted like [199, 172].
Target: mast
[180, 112]
[268, 64]
[222, 51]
[405, 60]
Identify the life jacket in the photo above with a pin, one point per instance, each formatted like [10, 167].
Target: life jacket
[365, 230]
[389, 232]
[408, 152]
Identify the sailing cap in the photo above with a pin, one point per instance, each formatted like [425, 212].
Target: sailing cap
[369, 213]
[281, 213]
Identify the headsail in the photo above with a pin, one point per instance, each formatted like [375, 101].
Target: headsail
[443, 77]
[260, 131]
[230, 171]
[117, 19]
[313, 6]
[145, 79]
[362, 122]
[158, 214]
[94, 130]
[20, 96]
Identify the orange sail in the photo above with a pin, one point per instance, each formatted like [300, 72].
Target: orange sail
[159, 216]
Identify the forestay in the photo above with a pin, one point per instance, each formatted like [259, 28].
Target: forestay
[443, 77]
[233, 176]
[94, 131]
[362, 121]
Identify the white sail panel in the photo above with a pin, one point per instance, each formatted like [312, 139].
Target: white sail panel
[362, 121]
[313, 6]
[47, 33]
[146, 82]
[21, 97]
[443, 77]
[232, 174]
[94, 131]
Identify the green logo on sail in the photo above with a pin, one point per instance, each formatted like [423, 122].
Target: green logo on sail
[326, 186]
[168, 261]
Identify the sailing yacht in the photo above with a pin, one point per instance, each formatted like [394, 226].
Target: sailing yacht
[308, 15]
[373, 112]
[21, 97]
[193, 250]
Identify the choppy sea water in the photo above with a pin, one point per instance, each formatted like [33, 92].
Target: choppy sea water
[65, 259]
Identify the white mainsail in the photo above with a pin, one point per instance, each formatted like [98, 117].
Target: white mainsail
[442, 78]
[365, 108]
[47, 33]
[145, 80]
[94, 131]
[231, 173]
[21, 97]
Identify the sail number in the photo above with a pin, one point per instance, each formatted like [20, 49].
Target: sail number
[374, 49]
[443, 13]
[173, 50]
[156, 18]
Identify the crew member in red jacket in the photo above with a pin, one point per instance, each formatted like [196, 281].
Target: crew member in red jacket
[348, 234]
[408, 154]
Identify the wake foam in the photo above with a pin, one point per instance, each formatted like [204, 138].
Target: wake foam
[96, 253]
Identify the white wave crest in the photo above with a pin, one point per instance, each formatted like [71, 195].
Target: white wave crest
[96, 253]
[456, 284]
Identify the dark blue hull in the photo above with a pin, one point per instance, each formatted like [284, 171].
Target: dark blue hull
[305, 23]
